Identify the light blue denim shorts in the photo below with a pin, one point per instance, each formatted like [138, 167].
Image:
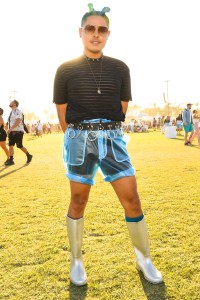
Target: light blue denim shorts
[85, 152]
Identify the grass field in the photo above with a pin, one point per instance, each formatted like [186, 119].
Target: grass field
[34, 250]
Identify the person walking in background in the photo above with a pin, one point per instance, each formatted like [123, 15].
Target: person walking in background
[91, 94]
[15, 133]
[3, 136]
[154, 124]
[179, 124]
[196, 123]
[48, 128]
[162, 127]
[187, 124]
[39, 129]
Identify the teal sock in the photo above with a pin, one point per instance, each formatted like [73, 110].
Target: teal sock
[137, 219]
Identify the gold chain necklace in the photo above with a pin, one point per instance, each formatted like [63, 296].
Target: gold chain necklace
[98, 84]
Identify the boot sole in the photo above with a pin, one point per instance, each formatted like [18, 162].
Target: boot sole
[78, 283]
[149, 280]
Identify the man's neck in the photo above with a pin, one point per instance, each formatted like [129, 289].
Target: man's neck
[93, 55]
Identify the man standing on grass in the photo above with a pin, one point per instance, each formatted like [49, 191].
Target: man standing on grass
[15, 133]
[91, 94]
[188, 124]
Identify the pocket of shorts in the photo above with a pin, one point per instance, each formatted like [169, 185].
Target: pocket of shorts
[119, 148]
[74, 147]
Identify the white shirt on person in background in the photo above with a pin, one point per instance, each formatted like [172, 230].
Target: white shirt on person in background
[39, 126]
[196, 120]
[179, 122]
[16, 114]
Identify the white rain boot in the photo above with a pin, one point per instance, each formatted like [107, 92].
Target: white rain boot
[139, 236]
[75, 235]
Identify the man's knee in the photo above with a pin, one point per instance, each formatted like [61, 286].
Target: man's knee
[131, 199]
[79, 199]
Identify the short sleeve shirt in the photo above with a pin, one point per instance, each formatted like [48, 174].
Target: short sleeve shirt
[77, 82]
[16, 114]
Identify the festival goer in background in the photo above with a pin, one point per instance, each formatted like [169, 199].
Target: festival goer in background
[154, 124]
[131, 125]
[162, 127]
[91, 94]
[3, 136]
[179, 124]
[187, 124]
[44, 128]
[196, 123]
[39, 128]
[48, 128]
[28, 127]
[167, 121]
[15, 133]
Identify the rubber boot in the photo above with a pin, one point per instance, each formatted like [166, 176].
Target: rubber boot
[139, 236]
[75, 235]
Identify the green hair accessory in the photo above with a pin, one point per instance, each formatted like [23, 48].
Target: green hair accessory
[103, 11]
[91, 8]
[93, 12]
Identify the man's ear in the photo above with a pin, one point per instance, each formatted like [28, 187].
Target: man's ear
[108, 34]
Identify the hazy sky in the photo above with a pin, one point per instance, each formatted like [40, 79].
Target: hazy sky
[158, 39]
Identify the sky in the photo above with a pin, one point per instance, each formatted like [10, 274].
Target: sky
[157, 39]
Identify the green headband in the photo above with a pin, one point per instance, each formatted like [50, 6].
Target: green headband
[93, 12]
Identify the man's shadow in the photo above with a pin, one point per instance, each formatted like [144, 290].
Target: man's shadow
[77, 292]
[12, 171]
[153, 291]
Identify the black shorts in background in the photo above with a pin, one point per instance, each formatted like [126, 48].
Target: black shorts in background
[16, 137]
[3, 135]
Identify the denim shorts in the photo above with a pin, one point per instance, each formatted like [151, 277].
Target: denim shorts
[85, 152]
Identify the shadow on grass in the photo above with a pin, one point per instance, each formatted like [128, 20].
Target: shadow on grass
[153, 291]
[178, 138]
[11, 172]
[77, 292]
[32, 138]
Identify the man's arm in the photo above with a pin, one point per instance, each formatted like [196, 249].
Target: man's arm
[124, 106]
[184, 117]
[61, 111]
[17, 122]
[1, 121]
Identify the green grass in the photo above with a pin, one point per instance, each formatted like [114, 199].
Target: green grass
[34, 250]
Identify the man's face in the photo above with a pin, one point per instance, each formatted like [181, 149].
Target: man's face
[94, 34]
[12, 104]
[189, 106]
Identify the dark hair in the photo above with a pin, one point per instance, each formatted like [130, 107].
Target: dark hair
[1, 111]
[93, 12]
[16, 102]
[194, 111]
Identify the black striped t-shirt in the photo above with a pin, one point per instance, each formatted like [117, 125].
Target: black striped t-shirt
[76, 83]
